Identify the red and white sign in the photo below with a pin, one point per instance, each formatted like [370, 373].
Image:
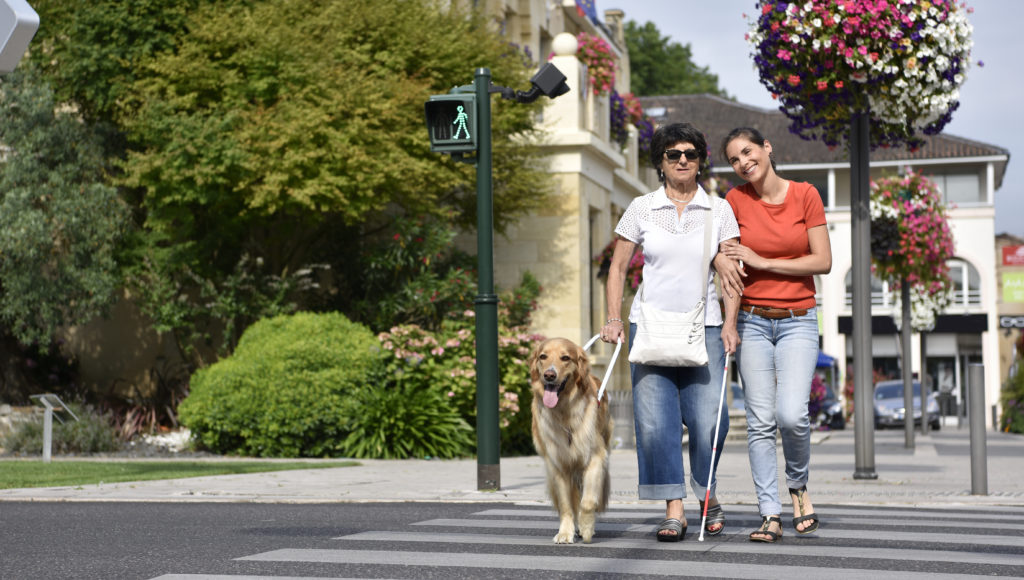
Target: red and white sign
[1013, 255]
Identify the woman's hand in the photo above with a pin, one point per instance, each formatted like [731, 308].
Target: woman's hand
[744, 254]
[730, 338]
[613, 331]
[730, 272]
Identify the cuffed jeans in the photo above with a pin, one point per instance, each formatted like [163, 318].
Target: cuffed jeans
[665, 399]
[776, 359]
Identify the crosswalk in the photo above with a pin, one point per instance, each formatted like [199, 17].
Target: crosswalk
[876, 542]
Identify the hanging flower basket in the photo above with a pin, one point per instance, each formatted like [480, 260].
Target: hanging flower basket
[596, 53]
[822, 59]
[911, 241]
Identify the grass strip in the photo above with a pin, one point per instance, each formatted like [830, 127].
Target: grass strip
[22, 474]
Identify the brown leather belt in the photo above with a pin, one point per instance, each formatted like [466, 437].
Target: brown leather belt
[774, 313]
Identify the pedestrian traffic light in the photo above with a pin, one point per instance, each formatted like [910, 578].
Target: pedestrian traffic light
[451, 122]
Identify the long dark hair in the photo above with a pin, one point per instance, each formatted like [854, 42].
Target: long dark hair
[674, 133]
[752, 135]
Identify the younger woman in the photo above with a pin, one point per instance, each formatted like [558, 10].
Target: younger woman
[783, 244]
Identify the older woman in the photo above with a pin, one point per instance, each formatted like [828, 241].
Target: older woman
[668, 224]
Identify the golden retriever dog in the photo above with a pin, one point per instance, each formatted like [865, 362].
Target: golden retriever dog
[572, 432]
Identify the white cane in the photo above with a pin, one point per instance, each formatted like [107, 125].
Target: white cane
[714, 449]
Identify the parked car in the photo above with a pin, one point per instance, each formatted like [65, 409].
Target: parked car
[890, 410]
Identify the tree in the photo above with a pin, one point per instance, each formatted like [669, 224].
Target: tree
[660, 67]
[261, 137]
[60, 224]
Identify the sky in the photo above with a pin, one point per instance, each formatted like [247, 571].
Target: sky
[989, 97]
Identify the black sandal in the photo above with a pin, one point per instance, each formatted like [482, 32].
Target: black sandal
[715, 516]
[765, 530]
[671, 525]
[811, 517]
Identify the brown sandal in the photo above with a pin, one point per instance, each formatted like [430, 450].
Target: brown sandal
[766, 534]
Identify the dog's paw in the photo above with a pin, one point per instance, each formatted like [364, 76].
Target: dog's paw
[565, 537]
[587, 522]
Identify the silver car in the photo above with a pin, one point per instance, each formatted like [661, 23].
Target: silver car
[890, 410]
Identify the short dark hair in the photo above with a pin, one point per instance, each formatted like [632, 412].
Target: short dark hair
[752, 135]
[674, 133]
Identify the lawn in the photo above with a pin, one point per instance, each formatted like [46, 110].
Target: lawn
[22, 473]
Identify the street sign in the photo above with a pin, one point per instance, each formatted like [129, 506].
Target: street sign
[451, 122]
[18, 24]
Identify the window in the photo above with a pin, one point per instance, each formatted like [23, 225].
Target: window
[960, 188]
[966, 284]
[881, 294]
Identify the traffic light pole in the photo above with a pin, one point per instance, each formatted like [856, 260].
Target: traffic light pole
[468, 109]
[488, 453]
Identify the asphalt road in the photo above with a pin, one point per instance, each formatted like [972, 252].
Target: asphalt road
[207, 541]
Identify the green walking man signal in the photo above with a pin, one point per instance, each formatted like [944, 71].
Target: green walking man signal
[451, 122]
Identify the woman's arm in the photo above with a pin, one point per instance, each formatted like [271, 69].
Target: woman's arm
[730, 336]
[615, 324]
[730, 271]
[818, 261]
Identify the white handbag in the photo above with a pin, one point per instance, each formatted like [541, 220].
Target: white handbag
[672, 339]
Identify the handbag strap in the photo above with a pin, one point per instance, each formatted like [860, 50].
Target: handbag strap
[705, 263]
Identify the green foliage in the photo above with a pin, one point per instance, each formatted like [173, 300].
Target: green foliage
[443, 361]
[410, 276]
[1012, 400]
[92, 433]
[60, 225]
[405, 421]
[282, 132]
[287, 391]
[213, 311]
[92, 50]
[278, 108]
[660, 67]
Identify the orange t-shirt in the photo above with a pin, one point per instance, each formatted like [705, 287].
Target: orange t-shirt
[777, 232]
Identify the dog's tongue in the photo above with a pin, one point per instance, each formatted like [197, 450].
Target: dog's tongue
[550, 399]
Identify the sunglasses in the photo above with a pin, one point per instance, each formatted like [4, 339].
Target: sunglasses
[674, 155]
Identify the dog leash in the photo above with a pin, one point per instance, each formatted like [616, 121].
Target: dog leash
[611, 363]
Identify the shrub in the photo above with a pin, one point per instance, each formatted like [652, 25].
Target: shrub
[287, 389]
[92, 433]
[445, 362]
[406, 421]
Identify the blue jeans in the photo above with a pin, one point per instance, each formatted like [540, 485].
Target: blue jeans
[665, 399]
[776, 360]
